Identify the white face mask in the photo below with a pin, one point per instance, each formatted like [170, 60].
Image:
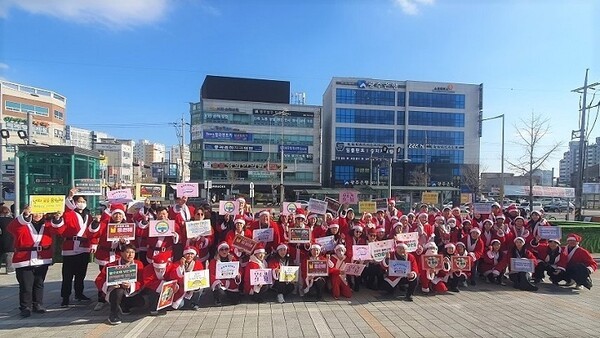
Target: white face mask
[81, 205]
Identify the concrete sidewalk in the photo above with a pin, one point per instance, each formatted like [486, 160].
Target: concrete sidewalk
[482, 311]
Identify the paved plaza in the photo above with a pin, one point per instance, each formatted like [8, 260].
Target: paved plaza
[484, 310]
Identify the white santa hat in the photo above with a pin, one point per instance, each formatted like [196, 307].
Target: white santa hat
[450, 245]
[223, 245]
[357, 227]
[402, 245]
[241, 199]
[397, 224]
[430, 245]
[519, 239]
[282, 246]
[340, 247]
[190, 249]
[315, 246]
[475, 230]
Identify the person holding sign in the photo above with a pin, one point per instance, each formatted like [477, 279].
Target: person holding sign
[392, 282]
[264, 222]
[181, 211]
[279, 259]
[163, 244]
[334, 230]
[75, 248]
[240, 230]
[521, 279]
[155, 275]
[579, 264]
[126, 295]
[549, 259]
[257, 261]
[202, 244]
[489, 233]
[141, 218]
[222, 288]
[453, 278]
[432, 278]
[536, 219]
[492, 263]
[187, 263]
[105, 251]
[32, 233]
[356, 238]
[475, 248]
[337, 273]
[314, 278]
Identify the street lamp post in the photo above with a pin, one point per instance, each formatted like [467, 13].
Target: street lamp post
[502, 155]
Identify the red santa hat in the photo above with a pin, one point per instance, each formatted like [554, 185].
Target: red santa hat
[259, 248]
[512, 207]
[461, 244]
[334, 225]
[557, 241]
[496, 204]
[190, 249]
[241, 199]
[391, 201]
[440, 218]
[397, 224]
[488, 221]
[117, 208]
[475, 230]
[574, 237]
[239, 219]
[430, 245]
[466, 221]
[402, 245]
[282, 246]
[381, 211]
[539, 213]
[410, 214]
[264, 212]
[521, 218]
[300, 213]
[311, 216]
[500, 217]
[357, 227]
[495, 241]
[456, 209]
[446, 208]
[161, 260]
[395, 218]
[315, 246]
[340, 247]
[222, 245]
[520, 239]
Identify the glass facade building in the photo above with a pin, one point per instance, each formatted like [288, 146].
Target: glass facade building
[424, 125]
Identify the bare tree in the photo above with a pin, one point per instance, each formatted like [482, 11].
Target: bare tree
[471, 177]
[529, 137]
[418, 177]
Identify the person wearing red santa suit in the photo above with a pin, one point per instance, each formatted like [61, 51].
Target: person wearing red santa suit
[279, 259]
[521, 280]
[32, 237]
[283, 223]
[257, 261]
[496, 210]
[392, 210]
[392, 282]
[240, 229]
[75, 247]
[202, 244]
[372, 274]
[411, 218]
[511, 213]
[155, 275]
[141, 218]
[579, 264]
[347, 222]
[380, 221]
[536, 219]
[424, 229]
[337, 274]
[187, 263]
[245, 210]
[313, 285]
[492, 263]
[299, 251]
[334, 230]
[456, 230]
[224, 288]
[319, 228]
[105, 251]
[163, 244]
[224, 227]
[181, 208]
[475, 248]
[441, 229]
[447, 213]
[489, 233]
[126, 295]
[432, 278]
[264, 222]
[458, 216]
[550, 259]
[357, 238]
[454, 278]
[400, 227]
[478, 219]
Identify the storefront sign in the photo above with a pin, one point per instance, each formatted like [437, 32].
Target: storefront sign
[232, 147]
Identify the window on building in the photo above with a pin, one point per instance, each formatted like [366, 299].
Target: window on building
[343, 173]
[368, 116]
[367, 97]
[25, 108]
[363, 135]
[420, 118]
[59, 115]
[401, 99]
[400, 120]
[436, 100]
[436, 137]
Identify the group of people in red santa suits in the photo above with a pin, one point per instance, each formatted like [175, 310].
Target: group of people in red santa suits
[486, 242]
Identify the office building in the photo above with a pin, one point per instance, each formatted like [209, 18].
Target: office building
[119, 161]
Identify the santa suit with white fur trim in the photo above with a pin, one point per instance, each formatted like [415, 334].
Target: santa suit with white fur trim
[32, 247]
[394, 280]
[73, 230]
[239, 254]
[184, 211]
[156, 274]
[487, 236]
[548, 260]
[337, 275]
[257, 224]
[254, 263]
[141, 219]
[433, 278]
[178, 272]
[231, 285]
[579, 263]
[492, 263]
[134, 288]
[157, 245]
[308, 282]
[106, 251]
[475, 248]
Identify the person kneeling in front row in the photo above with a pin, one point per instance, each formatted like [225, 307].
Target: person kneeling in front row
[392, 282]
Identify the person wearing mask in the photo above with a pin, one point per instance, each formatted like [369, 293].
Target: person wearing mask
[32, 234]
[7, 248]
[337, 274]
[126, 295]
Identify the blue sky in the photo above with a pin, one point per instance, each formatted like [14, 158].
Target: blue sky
[130, 67]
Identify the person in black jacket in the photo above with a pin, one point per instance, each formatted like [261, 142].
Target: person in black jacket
[7, 247]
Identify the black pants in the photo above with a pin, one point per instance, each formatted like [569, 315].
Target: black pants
[542, 267]
[117, 298]
[31, 285]
[260, 295]
[412, 285]
[283, 288]
[219, 295]
[317, 288]
[577, 272]
[373, 274]
[521, 281]
[152, 297]
[74, 266]
[454, 281]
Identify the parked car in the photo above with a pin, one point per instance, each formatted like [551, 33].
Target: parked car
[525, 207]
[560, 206]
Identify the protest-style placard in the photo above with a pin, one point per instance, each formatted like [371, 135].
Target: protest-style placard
[348, 196]
[549, 232]
[461, 263]
[244, 244]
[117, 231]
[332, 206]
[119, 196]
[299, 235]
[161, 228]
[289, 208]
[263, 235]
[261, 276]
[88, 186]
[167, 293]
[46, 204]
[195, 229]
[196, 280]
[361, 253]
[482, 208]
[229, 207]
[379, 249]
[429, 197]
[432, 262]
[317, 268]
[367, 206]
[187, 189]
[316, 206]
[398, 268]
[411, 239]
[119, 274]
[353, 269]
[288, 274]
[227, 270]
[327, 243]
[522, 265]
[154, 192]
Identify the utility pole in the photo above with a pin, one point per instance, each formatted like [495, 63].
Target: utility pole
[582, 140]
